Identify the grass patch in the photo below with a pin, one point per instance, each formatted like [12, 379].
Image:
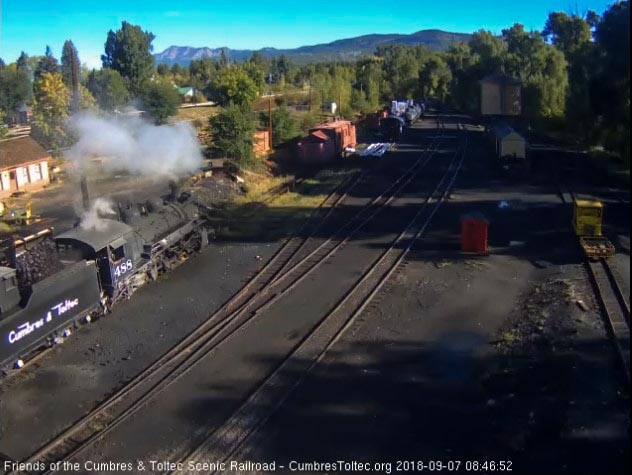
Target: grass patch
[256, 215]
[201, 113]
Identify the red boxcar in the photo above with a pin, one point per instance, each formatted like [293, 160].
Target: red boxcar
[343, 133]
[316, 147]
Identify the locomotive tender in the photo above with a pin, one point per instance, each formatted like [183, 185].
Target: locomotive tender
[48, 284]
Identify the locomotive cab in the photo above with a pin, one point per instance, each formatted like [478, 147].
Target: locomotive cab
[116, 250]
[9, 292]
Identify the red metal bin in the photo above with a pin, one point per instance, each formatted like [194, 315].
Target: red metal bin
[474, 233]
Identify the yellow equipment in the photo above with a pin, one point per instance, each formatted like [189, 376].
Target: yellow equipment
[587, 219]
[17, 215]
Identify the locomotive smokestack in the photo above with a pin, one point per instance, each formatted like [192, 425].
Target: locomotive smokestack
[75, 108]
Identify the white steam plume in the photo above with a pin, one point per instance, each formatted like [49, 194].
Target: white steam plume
[132, 144]
[93, 218]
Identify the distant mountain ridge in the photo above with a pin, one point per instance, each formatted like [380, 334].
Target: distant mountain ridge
[346, 49]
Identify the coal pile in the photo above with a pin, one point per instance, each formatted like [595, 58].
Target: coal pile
[542, 319]
[38, 263]
[213, 192]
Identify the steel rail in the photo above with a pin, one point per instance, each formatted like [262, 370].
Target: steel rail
[614, 306]
[615, 310]
[262, 278]
[43, 350]
[208, 346]
[190, 354]
[274, 391]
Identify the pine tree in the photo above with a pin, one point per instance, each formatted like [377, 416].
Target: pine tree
[68, 55]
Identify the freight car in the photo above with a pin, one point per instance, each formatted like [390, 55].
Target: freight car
[49, 284]
[413, 112]
[392, 127]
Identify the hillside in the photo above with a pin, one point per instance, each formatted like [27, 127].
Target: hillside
[345, 49]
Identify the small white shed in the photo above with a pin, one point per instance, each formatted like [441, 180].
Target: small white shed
[508, 142]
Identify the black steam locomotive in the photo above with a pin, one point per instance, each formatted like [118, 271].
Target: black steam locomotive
[49, 284]
[392, 127]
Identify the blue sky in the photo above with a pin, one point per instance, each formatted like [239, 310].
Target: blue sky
[31, 25]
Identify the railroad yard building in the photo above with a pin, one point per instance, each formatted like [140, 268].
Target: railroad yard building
[23, 166]
[500, 95]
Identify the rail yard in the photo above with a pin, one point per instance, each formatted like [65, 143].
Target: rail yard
[352, 250]
[366, 336]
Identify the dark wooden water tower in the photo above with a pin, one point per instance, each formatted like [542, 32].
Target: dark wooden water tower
[501, 96]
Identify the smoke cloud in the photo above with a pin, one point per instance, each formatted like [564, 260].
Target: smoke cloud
[94, 218]
[132, 144]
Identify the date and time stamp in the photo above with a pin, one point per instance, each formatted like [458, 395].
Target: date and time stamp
[294, 466]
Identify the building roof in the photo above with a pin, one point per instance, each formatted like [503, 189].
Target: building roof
[333, 125]
[503, 131]
[588, 204]
[19, 151]
[98, 239]
[502, 79]
[185, 90]
[315, 136]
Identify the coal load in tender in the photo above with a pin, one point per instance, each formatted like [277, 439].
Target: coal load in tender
[37, 263]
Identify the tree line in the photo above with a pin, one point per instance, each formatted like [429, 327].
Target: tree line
[575, 75]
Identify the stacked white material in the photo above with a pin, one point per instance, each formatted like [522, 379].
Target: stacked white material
[376, 149]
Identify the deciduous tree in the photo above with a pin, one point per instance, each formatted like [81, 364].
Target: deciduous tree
[128, 51]
[52, 100]
[160, 100]
[232, 133]
[284, 125]
[108, 88]
[612, 92]
[233, 85]
[15, 88]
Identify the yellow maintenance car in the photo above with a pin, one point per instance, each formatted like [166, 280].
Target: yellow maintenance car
[587, 222]
[17, 215]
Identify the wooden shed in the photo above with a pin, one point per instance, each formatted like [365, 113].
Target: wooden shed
[23, 165]
[508, 142]
[501, 95]
[261, 143]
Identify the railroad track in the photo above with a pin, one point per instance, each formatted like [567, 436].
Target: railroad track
[292, 260]
[271, 268]
[265, 275]
[227, 440]
[615, 309]
[614, 305]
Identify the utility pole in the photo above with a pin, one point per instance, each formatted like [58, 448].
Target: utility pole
[340, 103]
[310, 94]
[270, 121]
